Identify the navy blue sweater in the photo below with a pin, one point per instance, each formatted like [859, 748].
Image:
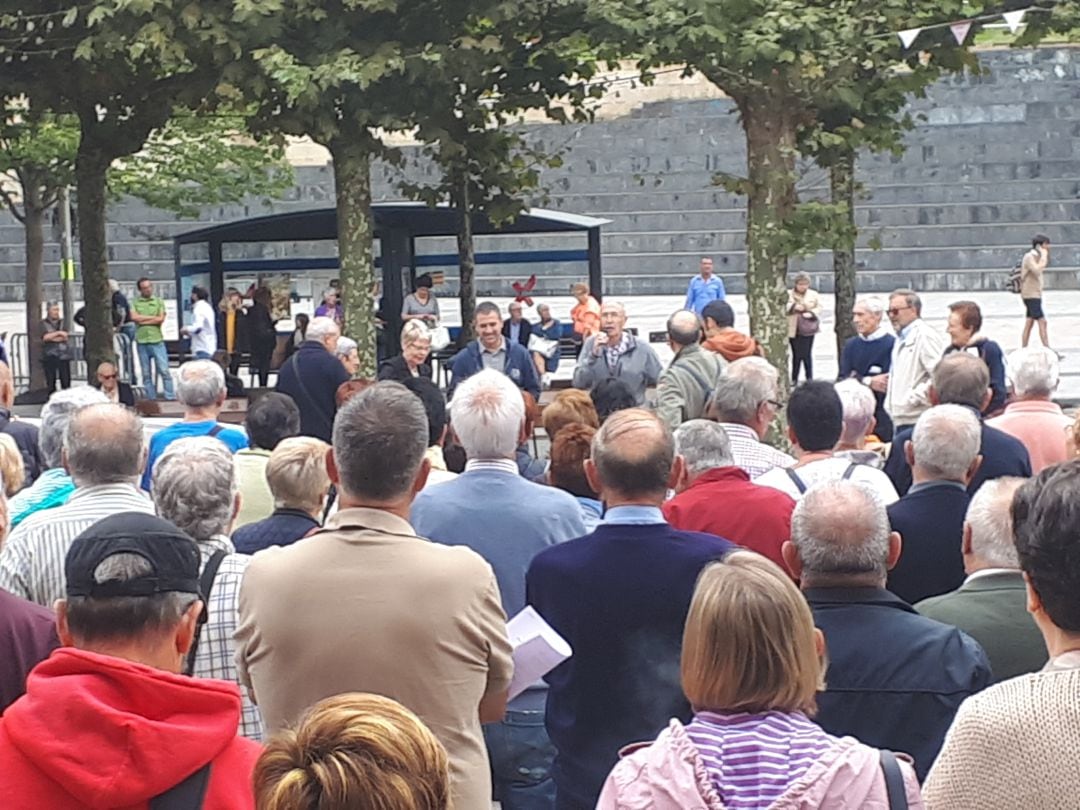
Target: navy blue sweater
[931, 523]
[865, 358]
[991, 354]
[519, 367]
[311, 377]
[620, 597]
[1002, 455]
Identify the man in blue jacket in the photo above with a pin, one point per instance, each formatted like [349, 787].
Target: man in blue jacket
[896, 678]
[492, 350]
[704, 288]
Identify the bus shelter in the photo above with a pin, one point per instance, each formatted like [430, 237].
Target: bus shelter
[296, 253]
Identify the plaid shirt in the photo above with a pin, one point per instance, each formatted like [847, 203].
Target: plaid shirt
[216, 656]
[752, 454]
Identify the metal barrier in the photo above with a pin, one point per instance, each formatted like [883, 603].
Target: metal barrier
[18, 346]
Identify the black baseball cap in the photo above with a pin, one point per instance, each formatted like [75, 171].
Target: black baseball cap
[172, 554]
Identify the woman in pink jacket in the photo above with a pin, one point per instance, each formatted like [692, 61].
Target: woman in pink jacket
[752, 663]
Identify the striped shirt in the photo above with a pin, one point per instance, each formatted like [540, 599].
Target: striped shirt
[32, 558]
[216, 656]
[753, 455]
[752, 759]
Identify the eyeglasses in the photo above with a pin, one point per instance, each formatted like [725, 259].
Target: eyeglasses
[775, 403]
[896, 310]
[107, 376]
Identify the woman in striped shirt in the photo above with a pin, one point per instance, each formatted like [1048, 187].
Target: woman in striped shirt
[752, 663]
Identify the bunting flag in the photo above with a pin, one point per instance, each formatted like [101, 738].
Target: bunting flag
[1013, 19]
[908, 36]
[960, 31]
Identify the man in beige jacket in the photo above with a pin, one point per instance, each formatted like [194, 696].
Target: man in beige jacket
[917, 349]
[365, 605]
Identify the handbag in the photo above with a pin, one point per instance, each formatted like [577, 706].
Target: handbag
[807, 325]
[440, 338]
[543, 346]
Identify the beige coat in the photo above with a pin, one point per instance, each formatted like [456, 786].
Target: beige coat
[1031, 275]
[1012, 746]
[365, 605]
[810, 302]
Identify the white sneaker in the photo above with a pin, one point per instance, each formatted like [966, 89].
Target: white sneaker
[545, 380]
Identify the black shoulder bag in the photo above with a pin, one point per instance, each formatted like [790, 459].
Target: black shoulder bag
[894, 781]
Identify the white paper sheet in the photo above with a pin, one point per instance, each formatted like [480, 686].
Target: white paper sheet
[538, 649]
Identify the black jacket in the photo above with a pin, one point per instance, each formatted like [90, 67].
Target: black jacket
[895, 678]
[1002, 455]
[931, 523]
[26, 439]
[311, 377]
[523, 334]
[397, 369]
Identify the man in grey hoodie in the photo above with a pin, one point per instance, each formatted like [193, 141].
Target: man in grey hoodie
[614, 352]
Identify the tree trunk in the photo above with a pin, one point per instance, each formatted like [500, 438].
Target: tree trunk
[770, 146]
[91, 167]
[466, 259]
[356, 230]
[34, 233]
[842, 189]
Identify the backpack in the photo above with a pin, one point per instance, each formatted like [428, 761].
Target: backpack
[1015, 278]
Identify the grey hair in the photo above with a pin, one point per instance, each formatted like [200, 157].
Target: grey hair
[859, 405]
[841, 527]
[619, 304]
[296, 473]
[487, 412]
[704, 446]
[1034, 372]
[345, 345]
[328, 291]
[93, 619]
[104, 444]
[380, 438]
[802, 277]
[946, 441]
[194, 486]
[55, 415]
[990, 517]
[911, 298]
[747, 383]
[199, 383]
[872, 303]
[321, 328]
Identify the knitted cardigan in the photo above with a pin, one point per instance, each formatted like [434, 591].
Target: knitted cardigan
[1013, 745]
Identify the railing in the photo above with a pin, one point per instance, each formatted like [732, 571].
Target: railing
[18, 346]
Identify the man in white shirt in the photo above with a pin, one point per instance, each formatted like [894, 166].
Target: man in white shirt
[815, 423]
[917, 349]
[203, 329]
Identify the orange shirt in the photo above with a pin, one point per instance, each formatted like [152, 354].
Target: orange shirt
[586, 317]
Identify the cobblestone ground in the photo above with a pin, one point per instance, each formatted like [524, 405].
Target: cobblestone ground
[1002, 321]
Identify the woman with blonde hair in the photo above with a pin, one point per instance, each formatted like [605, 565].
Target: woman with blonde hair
[804, 321]
[354, 752]
[752, 663]
[12, 466]
[413, 360]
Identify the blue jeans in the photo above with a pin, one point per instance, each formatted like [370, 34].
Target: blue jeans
[521, 757]
[157, 353]
[203, 356]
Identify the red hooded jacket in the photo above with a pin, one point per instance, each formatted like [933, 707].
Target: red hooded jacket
[93, 731]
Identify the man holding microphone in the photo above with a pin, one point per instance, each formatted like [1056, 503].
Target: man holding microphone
[614, 352]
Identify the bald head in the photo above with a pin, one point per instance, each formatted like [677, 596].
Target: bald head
[632, 458]
[103, 444]
[107, 376]
[840, 530]
[684, 329]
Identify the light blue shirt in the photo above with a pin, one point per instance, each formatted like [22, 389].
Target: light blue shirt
[702, 292]
[634, 515]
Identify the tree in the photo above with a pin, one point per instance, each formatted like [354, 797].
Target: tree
[536, 60]
[778, 61]
[195, 160]
[37, 159]
[120, 68]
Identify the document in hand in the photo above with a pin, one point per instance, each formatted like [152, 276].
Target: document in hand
[538, 649]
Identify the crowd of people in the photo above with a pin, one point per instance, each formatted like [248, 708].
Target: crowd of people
[310, 610]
